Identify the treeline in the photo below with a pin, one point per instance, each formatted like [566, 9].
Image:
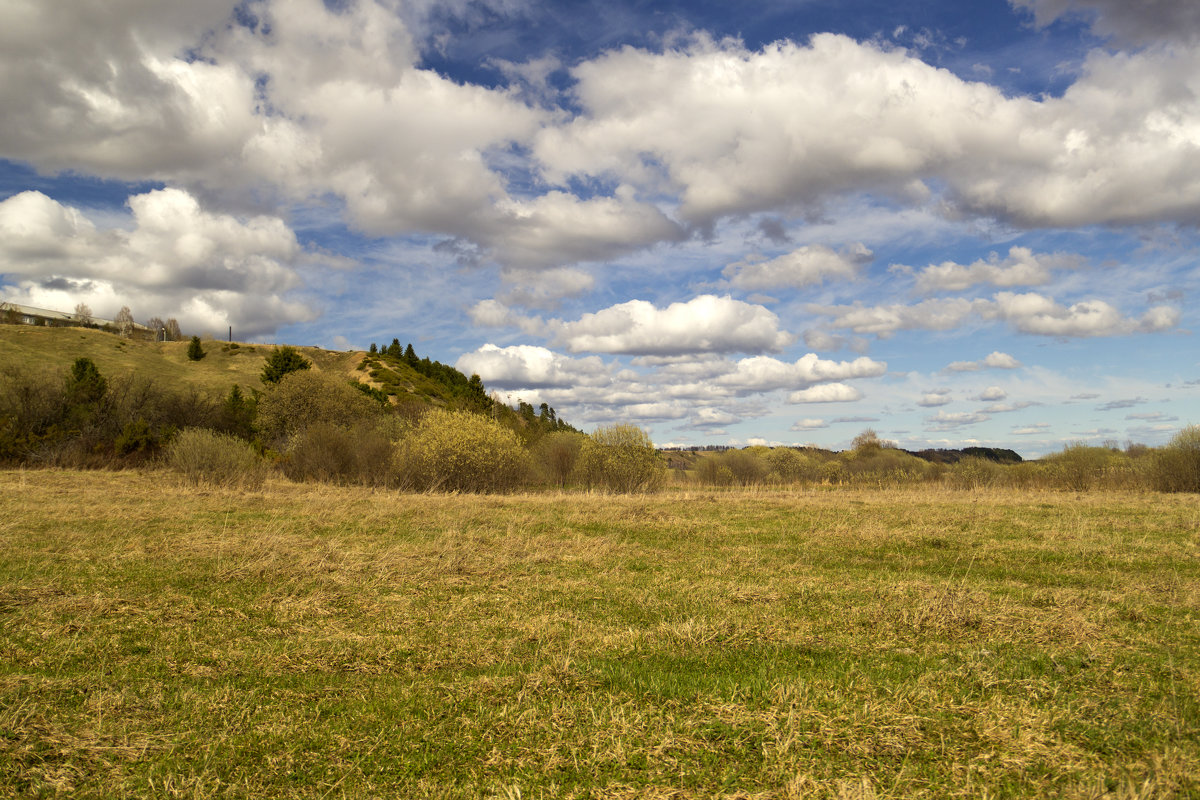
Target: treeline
[874, 463]
[403, 375]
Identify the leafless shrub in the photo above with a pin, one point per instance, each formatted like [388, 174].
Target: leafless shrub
[1176, 467]
[206, 457]
[361, 454]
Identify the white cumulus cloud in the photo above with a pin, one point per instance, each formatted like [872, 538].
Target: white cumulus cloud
[826, 393]
[886, 320]
[1022, 267]
[705, 324]
[994, 360]
[208, 270]
[529, 367]
[1037, 314]
[938, 397]
[764, 374]
[805, 266]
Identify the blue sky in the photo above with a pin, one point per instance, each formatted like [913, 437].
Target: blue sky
[779, 222]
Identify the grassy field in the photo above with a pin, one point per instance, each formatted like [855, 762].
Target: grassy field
[319, 642]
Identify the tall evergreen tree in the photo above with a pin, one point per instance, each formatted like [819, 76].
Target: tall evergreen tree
[84, 392]
[195, 350]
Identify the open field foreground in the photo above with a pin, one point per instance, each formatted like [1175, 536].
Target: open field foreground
[319, 642]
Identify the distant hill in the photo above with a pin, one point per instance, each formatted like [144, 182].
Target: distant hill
[996, 455]
[403, 379]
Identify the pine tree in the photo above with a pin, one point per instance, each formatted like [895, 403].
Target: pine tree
[237, 413]
[84, 393]
[282, 361]
[195, 351]
[85, 385]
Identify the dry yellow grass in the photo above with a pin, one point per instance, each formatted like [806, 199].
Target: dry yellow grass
[310, 641]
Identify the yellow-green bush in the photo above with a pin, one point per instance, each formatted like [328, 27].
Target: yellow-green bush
[973, 472]
[1176, 467]
[789, 466]
[621, 458]
[733, 468]
[304, 398]
[873, 464]
[203, 456]
[555, 456]
[457, 451]
[1080, 467]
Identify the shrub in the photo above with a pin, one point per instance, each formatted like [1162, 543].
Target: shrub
[31, 406]
[337, 454]
[747, 467]
[710, 472]
[621, 458]
[974, 472]
[206, 457]
[556, 456]
[1176, 467]
[139, 437]
[457, 451]
[733, 468]
[867, 443]
[883, 467]
[1080, 467]
[791, 466]
[301, 399]
[833, 472]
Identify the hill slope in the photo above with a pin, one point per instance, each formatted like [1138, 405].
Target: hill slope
[55, 349]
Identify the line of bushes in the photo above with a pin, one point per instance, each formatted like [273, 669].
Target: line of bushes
[310, 426]
[1078, 467]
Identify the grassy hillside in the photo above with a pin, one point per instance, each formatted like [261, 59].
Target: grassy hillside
[315, 642]
[223, 366]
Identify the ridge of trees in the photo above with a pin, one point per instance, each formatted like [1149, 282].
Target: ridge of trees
[404, 375]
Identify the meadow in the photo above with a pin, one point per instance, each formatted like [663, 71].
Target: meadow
[316, 641]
